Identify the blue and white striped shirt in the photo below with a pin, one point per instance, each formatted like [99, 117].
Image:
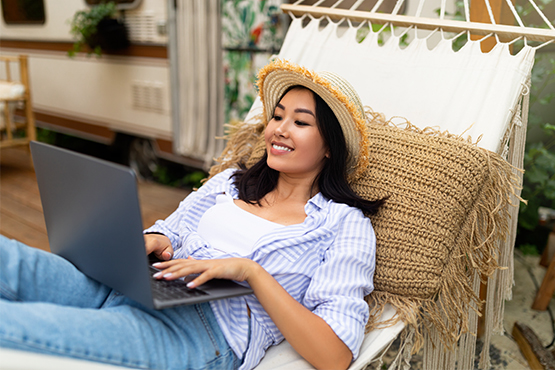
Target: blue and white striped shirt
[326, 263]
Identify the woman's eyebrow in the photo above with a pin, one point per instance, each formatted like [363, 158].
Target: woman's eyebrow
[302, 110]
[298, 110]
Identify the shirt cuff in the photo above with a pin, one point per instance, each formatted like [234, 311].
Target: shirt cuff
[350, 330]
[158, 229]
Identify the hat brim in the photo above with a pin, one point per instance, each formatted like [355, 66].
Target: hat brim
[278, 76]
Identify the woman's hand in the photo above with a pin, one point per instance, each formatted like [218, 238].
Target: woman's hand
[238, 269]
[160, 245]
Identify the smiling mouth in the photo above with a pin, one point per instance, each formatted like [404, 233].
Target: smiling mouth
[282, 148]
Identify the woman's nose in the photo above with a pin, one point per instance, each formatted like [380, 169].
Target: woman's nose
[281, 129]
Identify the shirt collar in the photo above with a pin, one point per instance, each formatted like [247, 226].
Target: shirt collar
[316, 203]
[225, 185]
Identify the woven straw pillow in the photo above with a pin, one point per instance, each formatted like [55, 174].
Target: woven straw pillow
[433, 184]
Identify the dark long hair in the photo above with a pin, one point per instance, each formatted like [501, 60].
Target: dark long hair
[254, 183]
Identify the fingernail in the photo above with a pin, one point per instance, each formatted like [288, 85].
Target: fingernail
[190, 284]
[169, 274]
[156, 264]
[157, 274]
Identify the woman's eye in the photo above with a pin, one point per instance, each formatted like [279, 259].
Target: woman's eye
[276, 117]
[301, 123]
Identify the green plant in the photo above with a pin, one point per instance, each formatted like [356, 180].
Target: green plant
[539, 159]
[194, 179]
[45, 135]
[384, 33]
[84, 26]
[528, 249]
[539, 178]
[176, 176]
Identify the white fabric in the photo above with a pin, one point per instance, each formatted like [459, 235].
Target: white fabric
[223, 227]
[200, 74]
[11, 90]
[284, 357]
[464, 91]
[11, 359]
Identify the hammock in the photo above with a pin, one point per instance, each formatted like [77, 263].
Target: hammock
[467, 95]
[464, 93]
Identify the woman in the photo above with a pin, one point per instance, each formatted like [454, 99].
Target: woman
[290, 227]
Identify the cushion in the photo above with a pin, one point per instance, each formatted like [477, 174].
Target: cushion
[11, 90]
[432, 184]
[445, 213]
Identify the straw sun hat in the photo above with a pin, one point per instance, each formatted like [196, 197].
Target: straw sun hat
[275, 78]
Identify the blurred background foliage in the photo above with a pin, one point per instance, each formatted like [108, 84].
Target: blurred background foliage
[539, 160]
[536, 218]
[252, 31]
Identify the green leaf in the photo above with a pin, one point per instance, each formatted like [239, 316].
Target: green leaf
[549, 191]
[547, 99]
[545, 162]
[529, 249]
[528, 215]
[84, 22]
[536, 176]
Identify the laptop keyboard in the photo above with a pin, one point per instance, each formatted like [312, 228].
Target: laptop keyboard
[165, 290]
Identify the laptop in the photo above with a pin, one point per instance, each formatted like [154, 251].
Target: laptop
[93, 220]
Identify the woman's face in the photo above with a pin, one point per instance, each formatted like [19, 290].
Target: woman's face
[293, 140]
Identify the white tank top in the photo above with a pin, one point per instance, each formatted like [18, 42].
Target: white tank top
[229, 228]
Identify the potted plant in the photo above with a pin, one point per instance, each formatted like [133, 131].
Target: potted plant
[98, 28]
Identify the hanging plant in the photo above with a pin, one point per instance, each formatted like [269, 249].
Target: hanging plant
[98, 28]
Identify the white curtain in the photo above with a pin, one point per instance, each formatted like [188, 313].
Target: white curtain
[200, 73]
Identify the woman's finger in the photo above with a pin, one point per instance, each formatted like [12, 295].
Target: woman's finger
[176, 269]
[201, 279]
[231, 268]
[165, 264]
[164, 254]
[160, 245]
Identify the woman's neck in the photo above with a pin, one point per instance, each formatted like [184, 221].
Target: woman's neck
[286, 203]
[293, 189]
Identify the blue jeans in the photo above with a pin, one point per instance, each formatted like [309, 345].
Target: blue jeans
[48, 306]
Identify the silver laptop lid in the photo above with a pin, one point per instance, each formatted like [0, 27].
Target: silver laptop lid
[93, 219]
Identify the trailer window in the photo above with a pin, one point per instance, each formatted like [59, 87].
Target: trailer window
[121, 4]
[23, 11]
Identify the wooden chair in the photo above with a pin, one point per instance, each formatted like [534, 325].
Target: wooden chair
[15, 93]
[547, 288]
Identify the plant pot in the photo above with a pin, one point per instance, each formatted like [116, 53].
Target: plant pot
[111, 35]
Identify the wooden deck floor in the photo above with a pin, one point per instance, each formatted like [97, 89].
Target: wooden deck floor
[21, 215]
